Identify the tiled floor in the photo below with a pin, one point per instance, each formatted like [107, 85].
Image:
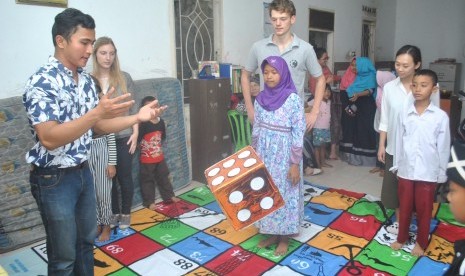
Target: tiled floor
[348, 177]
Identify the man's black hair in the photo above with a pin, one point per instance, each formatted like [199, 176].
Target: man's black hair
[67, 22]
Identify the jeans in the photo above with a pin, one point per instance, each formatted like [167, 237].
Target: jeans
[123, 179]
[66, 201]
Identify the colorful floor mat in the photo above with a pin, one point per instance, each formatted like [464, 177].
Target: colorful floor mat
[344, 233]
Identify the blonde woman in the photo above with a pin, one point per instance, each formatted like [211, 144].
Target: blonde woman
[107, 70]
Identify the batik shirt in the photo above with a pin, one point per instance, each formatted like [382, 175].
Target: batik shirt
[51, 94]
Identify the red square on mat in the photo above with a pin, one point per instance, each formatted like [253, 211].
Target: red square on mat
[241, 261]
[174, 209]
[347, 193]
[359, 226]
[131, 248]
[450, 232]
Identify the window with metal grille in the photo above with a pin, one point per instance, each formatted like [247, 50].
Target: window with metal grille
[195, 35]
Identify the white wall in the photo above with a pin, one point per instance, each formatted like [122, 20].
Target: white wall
[437, 27]
[243, 25]
[143, 33]
[385, 30]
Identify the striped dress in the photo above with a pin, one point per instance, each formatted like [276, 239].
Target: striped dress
[103, 154]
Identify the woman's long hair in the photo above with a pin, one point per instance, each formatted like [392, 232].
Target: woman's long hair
[117, 79]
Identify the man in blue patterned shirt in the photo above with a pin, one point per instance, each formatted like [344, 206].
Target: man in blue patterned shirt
[64, 110]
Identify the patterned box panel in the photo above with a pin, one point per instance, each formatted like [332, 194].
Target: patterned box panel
[243, 188]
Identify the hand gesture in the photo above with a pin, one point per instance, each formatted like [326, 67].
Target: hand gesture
[150, 111]
[109, 107]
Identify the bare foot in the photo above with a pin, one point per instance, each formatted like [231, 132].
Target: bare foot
[375, 169]
[175, 199]
[268, 241]
[396, 245]
[152, 207]
[381, 173]
[417, 250]
[282, 247]
[99, 229]
[333, 157]
[106, 233]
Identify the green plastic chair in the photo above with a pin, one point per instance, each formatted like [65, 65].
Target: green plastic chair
[241, 129]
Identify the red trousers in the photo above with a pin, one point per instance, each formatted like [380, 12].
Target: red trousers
[418, 196]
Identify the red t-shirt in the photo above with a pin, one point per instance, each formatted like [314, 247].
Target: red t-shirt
[152, 136]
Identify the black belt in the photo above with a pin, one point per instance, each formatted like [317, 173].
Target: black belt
[56, 169]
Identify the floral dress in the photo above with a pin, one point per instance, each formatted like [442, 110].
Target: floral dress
[276, 136]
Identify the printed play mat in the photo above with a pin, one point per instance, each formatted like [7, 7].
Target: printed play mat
[344, 233]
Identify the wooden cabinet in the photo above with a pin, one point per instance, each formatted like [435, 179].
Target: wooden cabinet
[210, 134]
[453, 108]
[448, 77]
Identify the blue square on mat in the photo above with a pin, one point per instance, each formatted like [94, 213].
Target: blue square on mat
[201, 247]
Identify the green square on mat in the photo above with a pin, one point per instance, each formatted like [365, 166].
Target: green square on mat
[169, 232]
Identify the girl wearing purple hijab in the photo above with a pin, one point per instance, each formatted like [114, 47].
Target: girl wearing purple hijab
[277, 137]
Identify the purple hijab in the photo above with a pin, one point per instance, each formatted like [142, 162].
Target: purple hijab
[273, 98]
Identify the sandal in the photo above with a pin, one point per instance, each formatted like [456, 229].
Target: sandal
[314, 171]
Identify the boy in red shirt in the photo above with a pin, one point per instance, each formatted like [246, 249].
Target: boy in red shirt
[153, 168]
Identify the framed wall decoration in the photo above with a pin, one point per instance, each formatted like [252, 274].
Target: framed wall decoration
[53, 3]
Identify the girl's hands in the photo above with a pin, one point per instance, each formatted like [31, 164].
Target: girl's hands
[294, 174]
[132, 142]
[111, 171]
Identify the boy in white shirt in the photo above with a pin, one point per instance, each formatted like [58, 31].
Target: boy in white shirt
[421, 157]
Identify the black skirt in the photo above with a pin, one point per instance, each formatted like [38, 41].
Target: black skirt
[358, 144]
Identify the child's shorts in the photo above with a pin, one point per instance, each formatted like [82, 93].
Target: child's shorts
[321, 136]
